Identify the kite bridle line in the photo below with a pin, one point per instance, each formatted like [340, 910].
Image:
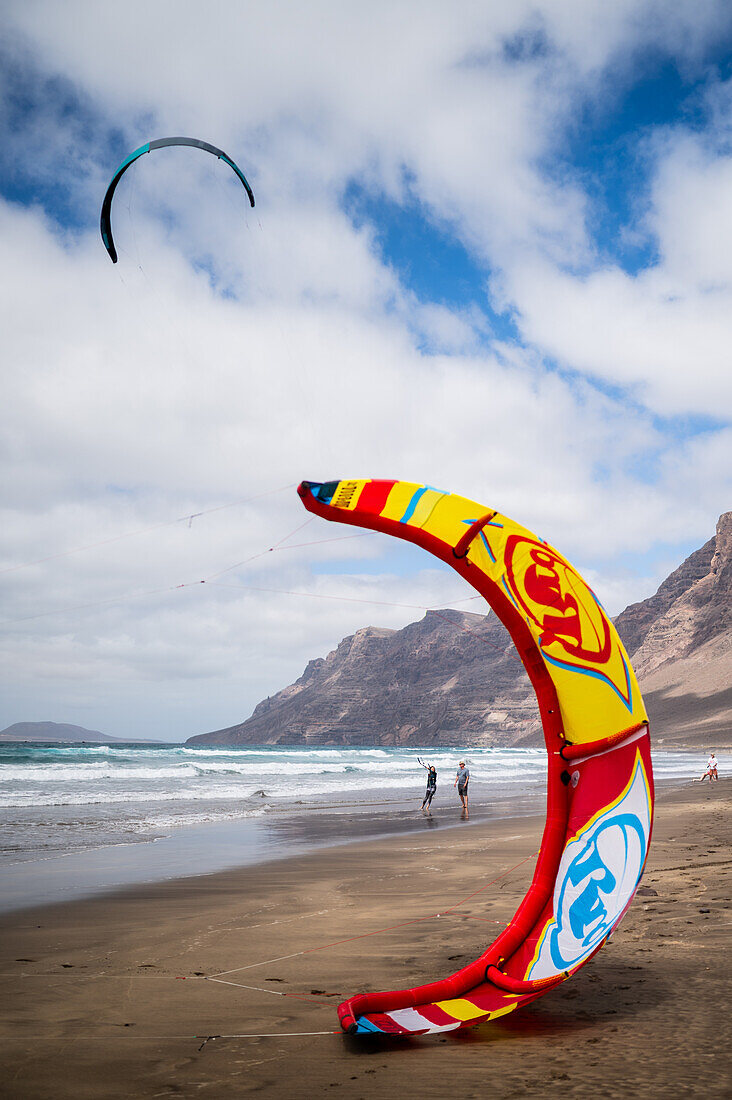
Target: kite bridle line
[378, 931]
[145, 530]
[307, 998]
[435, 609]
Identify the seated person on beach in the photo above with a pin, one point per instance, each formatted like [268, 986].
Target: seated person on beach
[431, 786]
[461, 781]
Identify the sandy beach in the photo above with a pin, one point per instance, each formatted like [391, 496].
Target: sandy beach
[114, 996]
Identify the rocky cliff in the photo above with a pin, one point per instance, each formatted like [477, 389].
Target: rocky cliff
[683, 653]
[454, 677]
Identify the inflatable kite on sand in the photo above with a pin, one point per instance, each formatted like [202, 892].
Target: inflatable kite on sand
[105, 220]
[600, 784]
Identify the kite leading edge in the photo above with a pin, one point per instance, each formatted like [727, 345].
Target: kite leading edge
[600, 782]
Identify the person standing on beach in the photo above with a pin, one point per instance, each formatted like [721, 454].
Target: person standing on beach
[429, 794]
[461, 782]
[711, 772]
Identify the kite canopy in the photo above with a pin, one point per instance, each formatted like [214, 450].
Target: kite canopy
[105, 222]
[600, 783]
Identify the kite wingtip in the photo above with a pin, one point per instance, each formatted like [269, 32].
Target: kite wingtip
[347, 1019]
[321, 491]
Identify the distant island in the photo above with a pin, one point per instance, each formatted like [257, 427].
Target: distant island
[61, 731]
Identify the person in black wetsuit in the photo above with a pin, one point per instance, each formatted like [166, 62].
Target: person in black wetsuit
[431, 786]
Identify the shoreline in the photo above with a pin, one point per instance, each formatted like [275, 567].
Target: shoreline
[275, 834]
[198, 850]
[131, 986]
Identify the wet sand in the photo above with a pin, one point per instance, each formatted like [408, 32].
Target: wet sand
[113, 996]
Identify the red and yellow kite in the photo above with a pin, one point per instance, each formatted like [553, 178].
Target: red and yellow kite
[600, 784]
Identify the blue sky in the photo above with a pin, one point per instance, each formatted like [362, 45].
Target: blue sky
[499, 268]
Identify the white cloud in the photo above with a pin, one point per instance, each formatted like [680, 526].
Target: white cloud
[662, 333]
[669, 349]
[140, 393]
[138, 408]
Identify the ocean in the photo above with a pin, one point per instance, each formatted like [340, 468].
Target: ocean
[78, 818]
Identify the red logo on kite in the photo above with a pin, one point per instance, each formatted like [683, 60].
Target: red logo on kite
[558, 601]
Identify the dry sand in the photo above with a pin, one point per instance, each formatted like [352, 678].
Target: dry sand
[108, 997]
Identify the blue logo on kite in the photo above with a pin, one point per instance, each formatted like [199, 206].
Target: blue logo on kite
[598, 875]
[588, 900]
